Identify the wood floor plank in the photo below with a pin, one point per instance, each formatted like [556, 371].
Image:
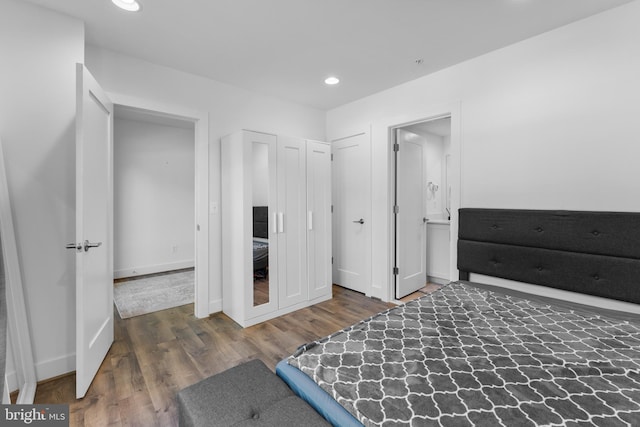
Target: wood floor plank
[137, 411]
[157, 354]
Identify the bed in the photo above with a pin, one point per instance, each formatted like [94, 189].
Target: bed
[473, 354]
[260, 240]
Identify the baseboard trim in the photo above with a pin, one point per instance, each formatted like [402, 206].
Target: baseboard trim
[437, 280]
[55, 367]
[11, 379]
[45, 371]
[215, 306]
[151, 269]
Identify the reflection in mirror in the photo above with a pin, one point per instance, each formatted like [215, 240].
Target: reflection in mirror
[260, 224]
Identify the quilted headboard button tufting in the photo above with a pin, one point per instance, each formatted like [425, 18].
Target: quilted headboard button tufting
[595, 232]
[596, 277]
[539, 229]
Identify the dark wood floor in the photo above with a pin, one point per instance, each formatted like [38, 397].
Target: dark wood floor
[156, 355]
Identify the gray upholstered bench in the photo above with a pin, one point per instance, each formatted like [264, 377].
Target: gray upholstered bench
[247, 395]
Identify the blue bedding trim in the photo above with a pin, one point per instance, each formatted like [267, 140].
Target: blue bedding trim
[319, 399]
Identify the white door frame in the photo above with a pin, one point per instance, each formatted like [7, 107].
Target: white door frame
[387, 127]
[200, 119]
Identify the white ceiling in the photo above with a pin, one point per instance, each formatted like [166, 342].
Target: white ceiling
[287, 48]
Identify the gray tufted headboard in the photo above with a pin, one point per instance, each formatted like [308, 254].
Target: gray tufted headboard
[595, 253]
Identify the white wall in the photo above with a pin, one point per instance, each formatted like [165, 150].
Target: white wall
[230, 109]
[434, 162]
[38, 51]
[547, 123]
[446, 174]
[154, 197]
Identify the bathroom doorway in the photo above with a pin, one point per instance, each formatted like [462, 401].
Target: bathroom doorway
[422, 205]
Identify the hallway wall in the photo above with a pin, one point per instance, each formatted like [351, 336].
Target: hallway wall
[154, 197]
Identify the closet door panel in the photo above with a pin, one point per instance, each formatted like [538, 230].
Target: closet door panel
[292, 236]
[248, 180]
[319, 218]
[261, 167]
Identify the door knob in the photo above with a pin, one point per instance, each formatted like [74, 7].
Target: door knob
[88, 245]
[360, 221]
[76, 246]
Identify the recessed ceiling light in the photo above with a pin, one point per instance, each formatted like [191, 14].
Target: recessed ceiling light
[332, 80]
[129, 5]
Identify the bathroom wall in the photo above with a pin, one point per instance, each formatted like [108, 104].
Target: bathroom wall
[435, 166]
[446, 174]
[434, 161]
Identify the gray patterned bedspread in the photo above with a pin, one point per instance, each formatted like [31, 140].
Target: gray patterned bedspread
[465, 356]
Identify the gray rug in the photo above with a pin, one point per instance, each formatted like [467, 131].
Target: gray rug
[154, 293]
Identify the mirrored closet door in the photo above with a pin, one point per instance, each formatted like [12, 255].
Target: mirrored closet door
[262, 208]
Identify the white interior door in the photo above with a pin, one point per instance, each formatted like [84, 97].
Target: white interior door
[94, 228]
[351, 178]
[411, 227]
[292, 222]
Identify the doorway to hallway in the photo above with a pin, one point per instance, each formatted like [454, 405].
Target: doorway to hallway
[154, 211]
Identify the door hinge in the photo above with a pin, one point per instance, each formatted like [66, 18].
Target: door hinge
[396, 147]
[395, 271]
[331, 260]
[332, 157]
[396, 209]
[331, 208]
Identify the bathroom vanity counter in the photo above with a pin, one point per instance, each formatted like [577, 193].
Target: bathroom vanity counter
[438, 243]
